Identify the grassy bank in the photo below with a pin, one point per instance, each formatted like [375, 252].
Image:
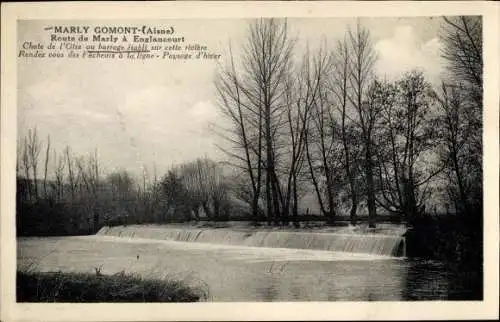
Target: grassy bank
[80, 287]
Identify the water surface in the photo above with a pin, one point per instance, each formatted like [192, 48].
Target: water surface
[239, 273]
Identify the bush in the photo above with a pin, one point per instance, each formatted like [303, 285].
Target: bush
[45, 217]
[450, 238]
[80, 287]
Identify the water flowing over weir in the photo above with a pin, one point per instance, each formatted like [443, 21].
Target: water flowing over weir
[342, 241]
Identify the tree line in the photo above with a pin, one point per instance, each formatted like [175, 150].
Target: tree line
[323, 120]
[300, 121]
[66, 193]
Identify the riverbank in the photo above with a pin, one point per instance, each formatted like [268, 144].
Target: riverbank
[86, 287]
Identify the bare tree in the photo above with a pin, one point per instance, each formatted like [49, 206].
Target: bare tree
[251, 98]
[88, 175]
[156, 200]
[339, 85]
[245, 134]
[71, 175]
[459, 157]
[321, 140]
[298, 102]
[122, 185]
[23, 170]
[362, 59]
[45, 172]
[144, 197]
[463, 38]
[205, 187]
[59, 175]
[406, 141]
[461, 101]
[33, 146]
[26, 166]
[175, 194]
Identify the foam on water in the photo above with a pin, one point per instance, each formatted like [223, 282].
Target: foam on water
[245, 253]
[343, 241]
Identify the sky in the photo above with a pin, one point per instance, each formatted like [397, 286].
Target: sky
[160, 112]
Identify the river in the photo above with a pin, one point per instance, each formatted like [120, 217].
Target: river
[242, 273]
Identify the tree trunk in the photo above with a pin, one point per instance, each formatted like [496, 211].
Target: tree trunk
[295, 211]
[372, 210]
[255, 208]
[208, 212]
[268, 199]
[354, 207]
[276, 195]
[216, 209]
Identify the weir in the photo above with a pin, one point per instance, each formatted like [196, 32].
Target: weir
[342, 241]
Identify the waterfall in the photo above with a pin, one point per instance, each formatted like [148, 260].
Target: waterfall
[342, 241]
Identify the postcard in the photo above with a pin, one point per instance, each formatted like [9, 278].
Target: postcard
[249, 161]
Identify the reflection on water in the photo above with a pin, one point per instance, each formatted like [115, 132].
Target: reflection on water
[267, 288]
[382, 280]
[433, 280]
[256, 274]
[330, 281]
[425, 279]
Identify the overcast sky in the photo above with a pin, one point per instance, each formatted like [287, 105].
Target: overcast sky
[138, 113]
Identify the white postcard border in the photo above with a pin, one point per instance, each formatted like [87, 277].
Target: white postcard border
[10, 311]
